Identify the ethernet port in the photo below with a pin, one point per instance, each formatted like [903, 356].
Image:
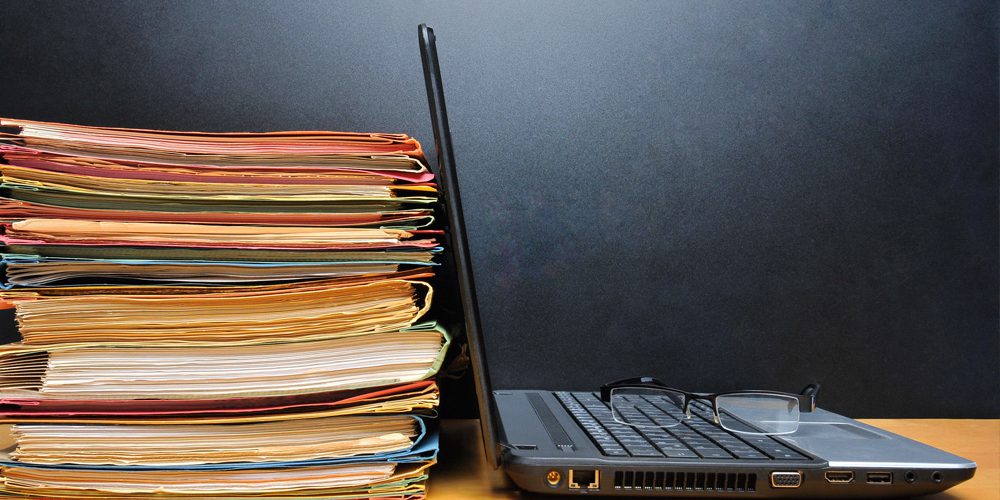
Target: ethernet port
[584, 479]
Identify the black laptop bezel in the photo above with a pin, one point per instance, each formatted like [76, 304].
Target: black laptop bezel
[448, 180]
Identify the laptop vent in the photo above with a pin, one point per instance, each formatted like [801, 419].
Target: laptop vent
[691, 481]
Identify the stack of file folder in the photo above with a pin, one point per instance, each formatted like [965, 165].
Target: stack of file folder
[217, 315]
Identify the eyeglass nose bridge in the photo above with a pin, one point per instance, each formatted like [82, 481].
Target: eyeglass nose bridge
[687, 409]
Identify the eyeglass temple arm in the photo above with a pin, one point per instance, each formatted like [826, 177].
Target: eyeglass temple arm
[811, 394]
[650, 381]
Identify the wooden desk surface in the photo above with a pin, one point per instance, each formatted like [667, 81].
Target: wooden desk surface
[462, 472]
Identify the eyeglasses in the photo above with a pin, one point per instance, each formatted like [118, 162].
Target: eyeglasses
[645, 402]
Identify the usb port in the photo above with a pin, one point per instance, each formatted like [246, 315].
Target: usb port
[839, 476]
[878, 478]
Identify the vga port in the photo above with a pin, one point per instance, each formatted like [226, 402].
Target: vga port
[786, 479]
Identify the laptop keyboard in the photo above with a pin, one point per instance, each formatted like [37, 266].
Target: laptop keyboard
[696, 437]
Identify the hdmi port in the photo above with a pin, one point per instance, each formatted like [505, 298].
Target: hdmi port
[839, 476]
[879, 478]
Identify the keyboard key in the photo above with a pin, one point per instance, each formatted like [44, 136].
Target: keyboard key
[614, 451]
[699, 447]
[671, 446]
[666, 441]
[643, 451]
[685, 453]
[774, 449]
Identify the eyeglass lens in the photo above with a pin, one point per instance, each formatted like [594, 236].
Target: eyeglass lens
[758, 413]
[642, 407]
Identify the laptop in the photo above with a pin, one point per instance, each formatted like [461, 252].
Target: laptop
[634, 442]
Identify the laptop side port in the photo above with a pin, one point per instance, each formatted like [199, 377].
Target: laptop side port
[786, 479]
[878, 478]
[589, 479]
[553, 478]
[839, 476]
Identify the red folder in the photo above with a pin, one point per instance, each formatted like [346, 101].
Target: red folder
[13, 408]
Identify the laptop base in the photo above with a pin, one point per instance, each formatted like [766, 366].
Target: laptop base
[545, 450]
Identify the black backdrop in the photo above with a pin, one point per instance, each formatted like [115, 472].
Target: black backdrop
[723, 194]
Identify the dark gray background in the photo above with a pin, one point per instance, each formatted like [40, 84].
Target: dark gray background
[723, 194]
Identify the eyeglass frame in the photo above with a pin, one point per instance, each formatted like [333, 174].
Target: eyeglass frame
[806, 398]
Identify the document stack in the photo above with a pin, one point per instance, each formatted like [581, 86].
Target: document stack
[216, 315]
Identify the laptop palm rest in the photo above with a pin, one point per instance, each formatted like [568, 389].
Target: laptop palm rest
[813, 430]
[848, 443]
